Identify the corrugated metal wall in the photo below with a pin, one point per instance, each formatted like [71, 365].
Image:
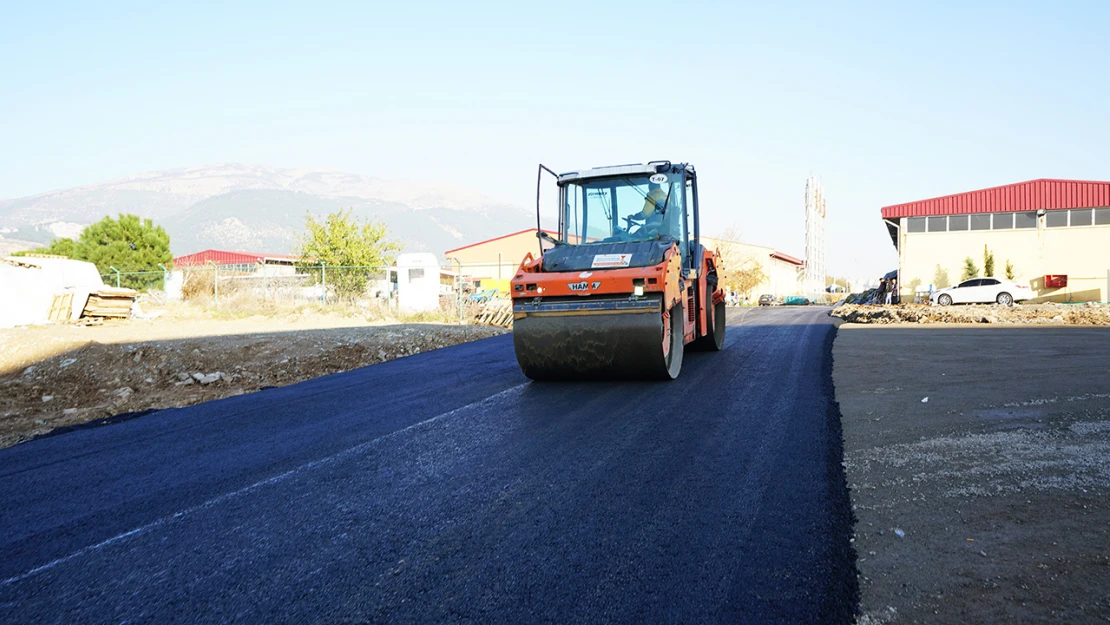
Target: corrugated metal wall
[1023, 196]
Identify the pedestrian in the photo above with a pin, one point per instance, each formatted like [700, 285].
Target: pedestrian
[880, 292]
[891, 288]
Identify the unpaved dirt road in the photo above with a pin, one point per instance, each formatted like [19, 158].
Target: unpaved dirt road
[63, 375]
[999, 483]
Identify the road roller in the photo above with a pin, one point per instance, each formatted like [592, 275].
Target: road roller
[624, 286]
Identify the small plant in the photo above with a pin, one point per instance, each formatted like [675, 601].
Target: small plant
[1009, 270]
[970, 270]
[988, 262]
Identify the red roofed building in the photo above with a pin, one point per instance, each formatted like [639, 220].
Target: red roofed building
[1031, 230]
[225, 258]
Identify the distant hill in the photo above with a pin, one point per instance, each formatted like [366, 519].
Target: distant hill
[9, 246]
[261, 209]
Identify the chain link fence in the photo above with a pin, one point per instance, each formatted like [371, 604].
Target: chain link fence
[460, 293]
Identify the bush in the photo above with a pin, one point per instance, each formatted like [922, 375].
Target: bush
[198, 285]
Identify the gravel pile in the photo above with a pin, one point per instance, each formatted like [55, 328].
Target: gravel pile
[1058, 314]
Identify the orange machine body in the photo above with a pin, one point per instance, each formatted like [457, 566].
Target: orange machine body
[665, 278]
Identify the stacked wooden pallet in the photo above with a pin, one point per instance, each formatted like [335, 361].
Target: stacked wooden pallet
[61, 307]
[110, 302]
[497, 312]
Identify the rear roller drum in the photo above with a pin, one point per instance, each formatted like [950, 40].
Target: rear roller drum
[714, 340]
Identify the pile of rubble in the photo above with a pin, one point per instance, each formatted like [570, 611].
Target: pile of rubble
[1059, 314]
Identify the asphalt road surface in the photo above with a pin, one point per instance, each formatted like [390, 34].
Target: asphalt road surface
[446, 487]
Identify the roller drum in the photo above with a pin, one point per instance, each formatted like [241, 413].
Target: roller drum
[587, 345]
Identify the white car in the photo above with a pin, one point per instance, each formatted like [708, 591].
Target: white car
[982, 291]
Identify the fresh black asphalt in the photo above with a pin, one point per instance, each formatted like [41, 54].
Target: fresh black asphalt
[446, 487]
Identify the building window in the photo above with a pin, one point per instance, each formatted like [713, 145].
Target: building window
[1025, 220]
[957, 222]
[1056, 219]
[938, 224]
[1102, 216]
[981, 222]
[1003, 221]
[915, 224]
[1081, 216]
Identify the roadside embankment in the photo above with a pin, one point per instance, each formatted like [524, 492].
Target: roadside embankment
[63, 375]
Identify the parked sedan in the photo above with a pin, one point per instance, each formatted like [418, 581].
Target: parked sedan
[982, 291]
[766, 300]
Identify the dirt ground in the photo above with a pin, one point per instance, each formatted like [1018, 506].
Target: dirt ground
[61, 375]
[978, 461]
[1048, 314]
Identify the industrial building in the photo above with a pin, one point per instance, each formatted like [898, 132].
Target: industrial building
[783, 275]
[497, 258]
[1054, 235]
[271, 264]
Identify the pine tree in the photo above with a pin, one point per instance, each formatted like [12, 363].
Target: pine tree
[128, 244]
[988, 263]
[1009, 270]
[941, 279]
[970, 270]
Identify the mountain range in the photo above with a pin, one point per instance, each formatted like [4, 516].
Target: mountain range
[256, 208]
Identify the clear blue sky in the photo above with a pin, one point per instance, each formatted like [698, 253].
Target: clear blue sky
[886, 103]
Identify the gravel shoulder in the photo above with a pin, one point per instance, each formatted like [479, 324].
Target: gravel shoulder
[990, 501]
[57, 376]
[1038, 314]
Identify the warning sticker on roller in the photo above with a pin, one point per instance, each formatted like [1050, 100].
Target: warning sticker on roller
[603, 261]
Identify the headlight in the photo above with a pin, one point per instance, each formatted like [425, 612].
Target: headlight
[638, 290]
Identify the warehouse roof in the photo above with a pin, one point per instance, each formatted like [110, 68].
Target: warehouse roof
[1046, 193]
[504, 236]
[787, 258]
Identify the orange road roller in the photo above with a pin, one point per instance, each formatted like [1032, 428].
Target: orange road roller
[625, 285]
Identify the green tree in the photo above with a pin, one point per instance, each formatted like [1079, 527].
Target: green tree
[1009, 270]
[970, 270]
[740, 271]
[745, 276]
[57, 247]
[988, 263]
[941, 279]
[341, 240]
[127, 243]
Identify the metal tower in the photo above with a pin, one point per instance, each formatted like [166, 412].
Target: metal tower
[813, 281]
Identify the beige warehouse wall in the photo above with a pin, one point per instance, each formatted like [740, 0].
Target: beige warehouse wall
[1082, 253]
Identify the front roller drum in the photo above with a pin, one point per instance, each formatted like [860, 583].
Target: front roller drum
[640, 345]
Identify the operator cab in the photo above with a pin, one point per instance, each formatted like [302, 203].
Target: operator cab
[629, 204]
